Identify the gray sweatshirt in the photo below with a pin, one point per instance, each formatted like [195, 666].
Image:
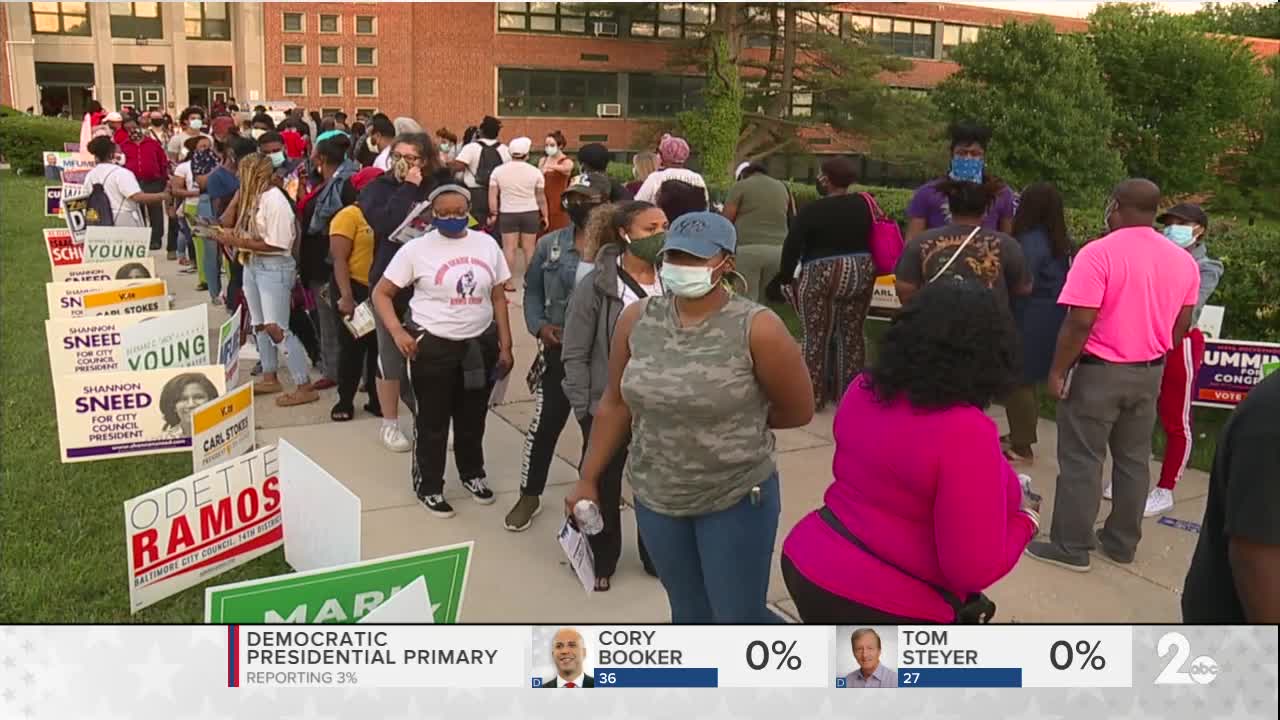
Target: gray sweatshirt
[589, 323]
[1210, 273]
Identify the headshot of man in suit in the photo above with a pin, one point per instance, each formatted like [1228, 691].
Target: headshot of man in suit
[871, 673]
[568, 653]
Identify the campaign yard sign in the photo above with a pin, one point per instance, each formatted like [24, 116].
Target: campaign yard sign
[188, 531]
[174, 339]
[229, 341]
[884, 295]
[347, 593]
[53, 201]
[63, 248]
[321, 516]
[104, 416]
[87, 345]
[411, 605]
[222, 428]
[114, 297]
[144, 269]
[1230, 370]
[76, 212]
[104, 243]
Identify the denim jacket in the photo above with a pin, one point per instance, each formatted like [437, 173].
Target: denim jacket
[329, 200]
[549, 281]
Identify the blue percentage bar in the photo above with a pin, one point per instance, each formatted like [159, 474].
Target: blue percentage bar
[961, 678]
[657, 677]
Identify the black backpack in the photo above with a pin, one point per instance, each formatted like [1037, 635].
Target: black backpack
[490, 159]
[97, 206]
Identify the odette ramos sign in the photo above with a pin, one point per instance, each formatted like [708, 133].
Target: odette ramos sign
[88, 345]
[188, 531]
[113, 415]
[144, 269]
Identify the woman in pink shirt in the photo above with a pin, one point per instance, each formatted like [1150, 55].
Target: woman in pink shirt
[925, 512]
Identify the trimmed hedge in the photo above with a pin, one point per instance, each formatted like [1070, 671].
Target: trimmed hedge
[25, 138]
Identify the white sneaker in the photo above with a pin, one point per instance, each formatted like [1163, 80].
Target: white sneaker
[394, 440]
[1158, 501]
[1106, 492]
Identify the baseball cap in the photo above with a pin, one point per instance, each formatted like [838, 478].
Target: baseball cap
[520, 146]
[702, 235]
[1190, 212]
[113, 117]
[591, 183]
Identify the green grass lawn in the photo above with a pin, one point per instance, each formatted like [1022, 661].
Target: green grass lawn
[62, 550]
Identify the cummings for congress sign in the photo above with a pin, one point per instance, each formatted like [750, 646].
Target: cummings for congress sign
[1230, 370]
[112, 415]
[188, 531]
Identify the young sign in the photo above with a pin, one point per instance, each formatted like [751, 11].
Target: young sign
[144, 269]
[188, 531]
[109, 243]
[174, 339]
[84, 299]
[345, 594]
[222, 429]
[63, 248]
[1230, 370]
[112, 415]
[87, 345]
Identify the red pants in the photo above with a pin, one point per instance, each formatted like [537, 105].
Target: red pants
[1174, 405]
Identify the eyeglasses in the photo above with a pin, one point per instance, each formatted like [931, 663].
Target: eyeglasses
[410, 158]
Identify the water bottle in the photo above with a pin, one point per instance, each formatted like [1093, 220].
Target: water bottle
[587, 515]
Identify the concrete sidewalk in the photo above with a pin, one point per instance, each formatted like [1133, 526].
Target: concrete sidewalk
[523, 577]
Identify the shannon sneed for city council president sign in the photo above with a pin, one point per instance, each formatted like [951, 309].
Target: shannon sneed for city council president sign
[88, 345]
[188, 531]
[113, 415]
[144, 269]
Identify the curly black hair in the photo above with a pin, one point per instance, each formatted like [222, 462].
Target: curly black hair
[951, 345]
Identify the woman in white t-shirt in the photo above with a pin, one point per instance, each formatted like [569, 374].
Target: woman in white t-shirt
[264, 233]
[119, 183]
[458, 344]
[518, 203]
[182, 184]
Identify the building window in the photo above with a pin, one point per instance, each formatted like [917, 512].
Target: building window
[329, 112]
[329, 24]
[330, 55]
[366, 56]
[136, 20]
[670, 20]
[553, 92]
[366, 87]
[801, 104]
[295, 86]
[662, 95]
[954, 36]
[60, 18]
[294, 55]
[818, 23]
[293, 22]
[366, 25]
[907, 38]
[330, 86]
[363, 114]
[208, 21]
[554, 17]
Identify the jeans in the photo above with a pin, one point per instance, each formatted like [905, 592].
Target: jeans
[436, 375]
[715, 567]
[211, 266]
[551, 411]
[327, 323]
[268, 286]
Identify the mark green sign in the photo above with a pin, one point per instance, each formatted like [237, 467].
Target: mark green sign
[345, 593]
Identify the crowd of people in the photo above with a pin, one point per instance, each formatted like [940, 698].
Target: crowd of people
[643, 298]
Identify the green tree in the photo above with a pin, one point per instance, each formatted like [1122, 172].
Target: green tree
[1255, 171]
[1183, 97]
[1239, 18]
[1043, 96]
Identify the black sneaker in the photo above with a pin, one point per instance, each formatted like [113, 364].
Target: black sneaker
[1047, 552]
[1102, 548]
[437, 505]
[480, 492]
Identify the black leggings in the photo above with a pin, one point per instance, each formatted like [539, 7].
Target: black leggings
[356, 357]
[821, 607]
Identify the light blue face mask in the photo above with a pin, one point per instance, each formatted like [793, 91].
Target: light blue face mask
[967, 169]
[1184, 236]
[689, 282]
[277, 158]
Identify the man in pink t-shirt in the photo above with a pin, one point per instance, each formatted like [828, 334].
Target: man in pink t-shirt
[1130, 296]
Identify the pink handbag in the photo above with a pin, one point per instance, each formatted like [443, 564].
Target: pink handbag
[885, 240]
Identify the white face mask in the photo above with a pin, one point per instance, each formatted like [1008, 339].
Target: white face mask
[196, 123]
[552, 150]
[257, 133]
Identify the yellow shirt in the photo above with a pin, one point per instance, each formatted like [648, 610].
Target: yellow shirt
[350, 223]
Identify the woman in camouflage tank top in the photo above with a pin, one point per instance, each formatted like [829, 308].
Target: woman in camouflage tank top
[700, 378]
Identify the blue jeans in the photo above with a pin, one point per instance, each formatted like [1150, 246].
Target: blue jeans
[211, 264]
[268, 290]
[715, 567]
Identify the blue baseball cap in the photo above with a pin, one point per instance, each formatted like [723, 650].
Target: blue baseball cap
[702, 235]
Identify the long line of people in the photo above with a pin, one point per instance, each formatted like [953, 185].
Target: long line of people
[676, 378]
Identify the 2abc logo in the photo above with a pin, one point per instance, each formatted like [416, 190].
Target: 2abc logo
[1202, 671]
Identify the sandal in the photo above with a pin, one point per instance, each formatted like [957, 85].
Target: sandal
[342, 413]
[603, 584]
[297, 397]
[1017, 459]
[267, 387]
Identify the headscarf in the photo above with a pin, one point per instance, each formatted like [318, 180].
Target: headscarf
[674, 150]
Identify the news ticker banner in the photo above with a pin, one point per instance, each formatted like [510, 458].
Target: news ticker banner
[180, 672]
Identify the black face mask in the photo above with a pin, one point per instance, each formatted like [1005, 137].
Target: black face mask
[580, 212]
[157, 122]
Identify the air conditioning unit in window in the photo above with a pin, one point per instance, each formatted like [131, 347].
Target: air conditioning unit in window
[606, 29]
[609, 110]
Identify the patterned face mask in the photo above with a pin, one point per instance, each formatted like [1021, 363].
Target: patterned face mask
[400, 168]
